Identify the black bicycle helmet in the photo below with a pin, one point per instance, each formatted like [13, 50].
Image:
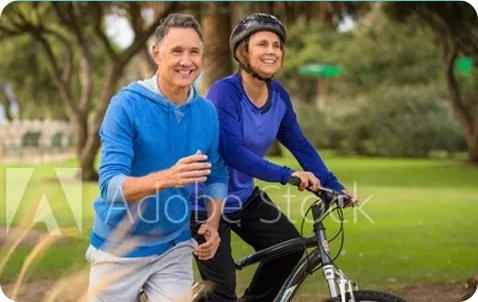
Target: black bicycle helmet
[250, 25]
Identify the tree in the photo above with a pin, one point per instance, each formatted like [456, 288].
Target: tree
[216, 25]
[28, 73]
[455, 25]
[69, 23]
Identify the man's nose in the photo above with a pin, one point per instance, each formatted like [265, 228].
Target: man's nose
[185, 59]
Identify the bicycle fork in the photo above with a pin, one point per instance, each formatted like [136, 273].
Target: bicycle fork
[337, 282]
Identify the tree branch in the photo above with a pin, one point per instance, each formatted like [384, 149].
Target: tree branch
[113, 74]
[19, 14]
[429, 17]
[475, 126]
[97, 10]
[86, 69]
[141, 37]
[10, 32]
[37, 31]
[135, 18]
[63, 87]
[68, 63]
[62, 16]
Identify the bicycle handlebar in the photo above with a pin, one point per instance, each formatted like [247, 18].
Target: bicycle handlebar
[327, 195]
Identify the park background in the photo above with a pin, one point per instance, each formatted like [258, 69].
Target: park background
[386, 91]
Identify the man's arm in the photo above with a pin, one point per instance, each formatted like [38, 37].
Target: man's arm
[116, 183]
[188, 170]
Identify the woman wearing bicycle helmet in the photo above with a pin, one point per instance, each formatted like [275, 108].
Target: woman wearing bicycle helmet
[253, 111]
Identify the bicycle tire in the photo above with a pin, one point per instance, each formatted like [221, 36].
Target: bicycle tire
[370, 296]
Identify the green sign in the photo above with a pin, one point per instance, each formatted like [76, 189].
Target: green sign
[464, 65]
[321, 70]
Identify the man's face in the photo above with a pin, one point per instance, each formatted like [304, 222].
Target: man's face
[179, 56]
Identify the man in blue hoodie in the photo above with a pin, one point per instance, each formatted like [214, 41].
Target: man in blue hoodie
[159, 138]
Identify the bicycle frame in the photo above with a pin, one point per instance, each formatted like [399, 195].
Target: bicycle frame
[300, 272]
[335, 278]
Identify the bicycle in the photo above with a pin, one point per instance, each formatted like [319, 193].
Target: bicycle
[341, 288]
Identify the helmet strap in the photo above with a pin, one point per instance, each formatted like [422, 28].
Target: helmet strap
[254, 74]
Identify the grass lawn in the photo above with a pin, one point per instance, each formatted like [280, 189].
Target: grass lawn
[417, 222]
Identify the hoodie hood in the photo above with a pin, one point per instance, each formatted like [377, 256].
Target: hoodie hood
[140, 87]
[176, 114]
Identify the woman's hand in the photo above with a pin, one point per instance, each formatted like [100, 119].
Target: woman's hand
[307, 180]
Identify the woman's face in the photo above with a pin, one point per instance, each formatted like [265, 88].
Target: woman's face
[265, 52]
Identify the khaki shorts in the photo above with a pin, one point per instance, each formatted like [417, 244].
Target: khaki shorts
[164, 278]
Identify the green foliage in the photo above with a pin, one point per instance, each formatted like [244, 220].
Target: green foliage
[318, 126]
[390, 101]
[406, 121]
[307, 43]
[376, 52]
[393, 55]
[403, 121]
[26, 66]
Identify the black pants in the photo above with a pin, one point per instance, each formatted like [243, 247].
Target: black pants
[261, 224]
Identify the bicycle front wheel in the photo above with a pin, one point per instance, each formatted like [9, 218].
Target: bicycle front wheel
[369, 296]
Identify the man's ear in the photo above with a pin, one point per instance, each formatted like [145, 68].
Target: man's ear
[156, 54]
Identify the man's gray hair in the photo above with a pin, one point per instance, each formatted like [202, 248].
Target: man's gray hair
[177, 20]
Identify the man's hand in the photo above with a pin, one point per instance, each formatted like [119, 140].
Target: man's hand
[207, 250]
[307, 180]
[188, 170]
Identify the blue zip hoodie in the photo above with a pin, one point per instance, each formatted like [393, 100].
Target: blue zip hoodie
[143, 133]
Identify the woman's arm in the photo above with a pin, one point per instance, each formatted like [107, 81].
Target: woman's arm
[234, 153]
[292, 137]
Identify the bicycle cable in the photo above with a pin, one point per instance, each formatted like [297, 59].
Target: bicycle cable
[340, 232]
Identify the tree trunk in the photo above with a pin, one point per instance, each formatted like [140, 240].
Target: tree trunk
[237, 12]
[216, 24]
[90, 148]
[465, 118]
[321, 97]
[87, 164]
[146, 65]
[473, 150]
[80, 136]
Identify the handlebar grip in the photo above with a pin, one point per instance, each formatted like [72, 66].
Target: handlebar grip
[294, 180]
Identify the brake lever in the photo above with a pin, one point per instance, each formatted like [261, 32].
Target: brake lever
[340, 198]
